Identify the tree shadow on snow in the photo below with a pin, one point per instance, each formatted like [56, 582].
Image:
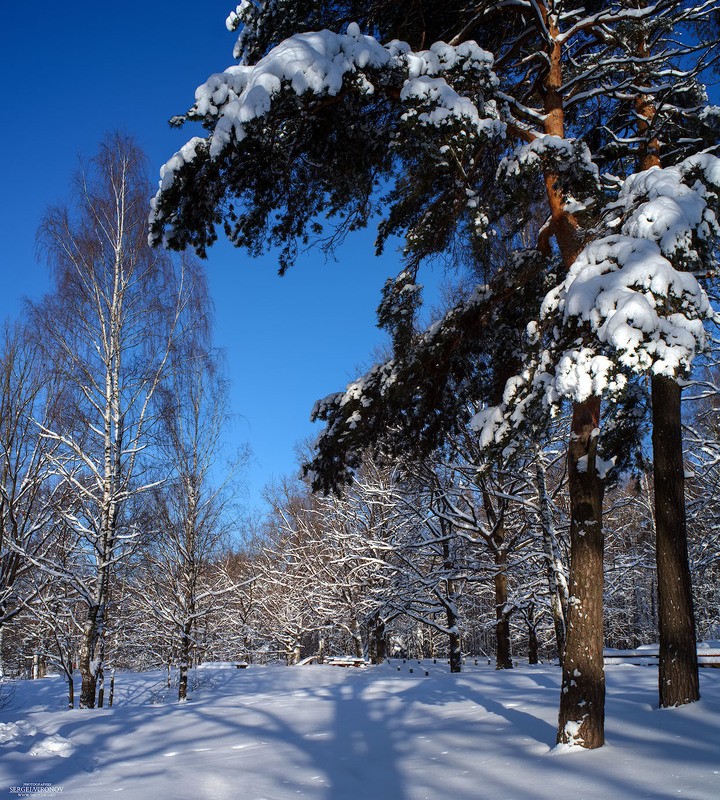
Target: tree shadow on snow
[351, 735]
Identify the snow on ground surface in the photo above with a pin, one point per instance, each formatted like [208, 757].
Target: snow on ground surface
[381, 733]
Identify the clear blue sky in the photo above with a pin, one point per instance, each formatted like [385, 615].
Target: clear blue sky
[74, 71]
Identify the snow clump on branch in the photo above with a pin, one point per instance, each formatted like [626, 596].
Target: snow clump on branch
[629, 301]
[322, 64]
[632, 287]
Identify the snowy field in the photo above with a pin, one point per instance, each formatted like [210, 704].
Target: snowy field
[380, 733]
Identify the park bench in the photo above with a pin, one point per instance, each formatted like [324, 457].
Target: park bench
[345, 661]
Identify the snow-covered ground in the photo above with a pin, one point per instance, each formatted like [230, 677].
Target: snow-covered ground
[380, 733]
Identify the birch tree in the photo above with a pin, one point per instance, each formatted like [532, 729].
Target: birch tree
[108, 328]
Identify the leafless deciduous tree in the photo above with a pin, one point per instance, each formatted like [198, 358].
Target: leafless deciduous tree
[109, 326]
[193, 507]
[27, 488]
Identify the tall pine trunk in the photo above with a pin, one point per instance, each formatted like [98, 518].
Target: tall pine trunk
[678, 668]
[678, 679]
[581, 719]
[582, 699]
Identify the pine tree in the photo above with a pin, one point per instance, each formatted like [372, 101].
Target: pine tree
[471, 137]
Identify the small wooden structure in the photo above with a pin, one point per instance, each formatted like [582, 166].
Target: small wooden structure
[345, 661]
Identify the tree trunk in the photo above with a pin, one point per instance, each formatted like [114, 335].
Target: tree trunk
[101, 687]
[71, 691]
[582, 699]
[451, 608]
[533, 645]
[357, 639]
[88, 686]
[378, 652]
[182, 681]
[678, 671]
[88, 662]
[678, 677]
[454, 644]
[556, 577]
[184, 661]
[503, 657]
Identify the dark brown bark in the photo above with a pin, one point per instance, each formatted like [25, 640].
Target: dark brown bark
[582, 699]
[581, 719]
[182, 682]
[455, 648]
[496, 541]
[454, 644]
[678, 667]
[87, 690]
[184, 661]
[378, 643]
[101, 688]
[678, 679]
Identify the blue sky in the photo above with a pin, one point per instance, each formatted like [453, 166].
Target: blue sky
[73, 72]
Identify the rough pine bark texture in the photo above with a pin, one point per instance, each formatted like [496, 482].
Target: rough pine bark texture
[678, 679]
[581, 720]
[582, 699]
[678, 670]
